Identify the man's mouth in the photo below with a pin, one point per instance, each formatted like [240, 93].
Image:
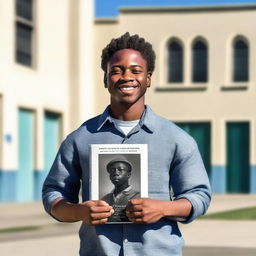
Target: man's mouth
[127, 88]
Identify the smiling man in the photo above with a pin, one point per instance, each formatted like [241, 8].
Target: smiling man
[174, 164]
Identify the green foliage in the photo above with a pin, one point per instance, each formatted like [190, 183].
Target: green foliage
[238, 214]
[19, 229]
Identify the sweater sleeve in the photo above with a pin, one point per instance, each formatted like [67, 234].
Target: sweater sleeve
[64, 177]
[189, 179]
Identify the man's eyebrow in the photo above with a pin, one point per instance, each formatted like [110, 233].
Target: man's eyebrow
[121, 66]
[134, 66]
[116, 66]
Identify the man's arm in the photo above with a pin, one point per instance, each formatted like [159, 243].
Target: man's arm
[91, 212]
[63, 181]
[191, 190]
[146, 210]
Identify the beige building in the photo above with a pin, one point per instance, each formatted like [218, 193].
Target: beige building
[205, 81]
[45, 46]
[50, 82]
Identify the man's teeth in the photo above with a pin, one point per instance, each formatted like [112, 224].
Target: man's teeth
[126, 88]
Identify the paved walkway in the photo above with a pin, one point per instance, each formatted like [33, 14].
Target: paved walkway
[223, 233]
[61, 239]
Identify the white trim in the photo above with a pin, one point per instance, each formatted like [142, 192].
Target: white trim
[194, 8]
[86, 60]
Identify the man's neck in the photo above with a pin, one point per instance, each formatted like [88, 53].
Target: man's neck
[127, 113]
[121, 188]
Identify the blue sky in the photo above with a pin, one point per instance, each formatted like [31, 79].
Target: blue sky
[109, 8]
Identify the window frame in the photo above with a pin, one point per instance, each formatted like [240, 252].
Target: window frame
[31, 24]
[236, 40]
[230, 84]
[186, 85]
[179, 42]
[205, 43]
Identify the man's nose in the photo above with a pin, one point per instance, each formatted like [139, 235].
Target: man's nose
[127, 75]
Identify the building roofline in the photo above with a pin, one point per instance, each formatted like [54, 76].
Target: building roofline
[198, 8]
[104, 20]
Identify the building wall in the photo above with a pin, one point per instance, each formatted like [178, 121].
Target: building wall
[105, 30]
[65, 85]
[48, 89]
[218, 101]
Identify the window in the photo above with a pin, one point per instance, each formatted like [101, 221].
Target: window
[24, 32]
[240, 61]
[200, 62]
[175, 62]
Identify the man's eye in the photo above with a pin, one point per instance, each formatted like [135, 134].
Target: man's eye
[136, 71]
[116, 71]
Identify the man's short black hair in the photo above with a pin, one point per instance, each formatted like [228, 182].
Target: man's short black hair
[126, 41]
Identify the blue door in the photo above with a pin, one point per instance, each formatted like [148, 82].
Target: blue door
[201, 132]
[52, 137]
[238, 145]
[25, 178]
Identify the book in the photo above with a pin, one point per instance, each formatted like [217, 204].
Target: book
[119, 172]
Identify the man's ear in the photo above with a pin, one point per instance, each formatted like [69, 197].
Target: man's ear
[105, 80]
[149, 74]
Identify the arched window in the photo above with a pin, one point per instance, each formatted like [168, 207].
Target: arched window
[200, 62]
[175, 62]
[240, 61]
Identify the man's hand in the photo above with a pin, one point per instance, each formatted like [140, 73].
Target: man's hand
[91, 212]
[145, 210]
[96, 212]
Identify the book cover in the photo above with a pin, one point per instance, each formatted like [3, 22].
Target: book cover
[119, 172]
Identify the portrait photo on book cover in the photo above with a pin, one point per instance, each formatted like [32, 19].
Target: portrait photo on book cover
[119, 181]
[119, 173]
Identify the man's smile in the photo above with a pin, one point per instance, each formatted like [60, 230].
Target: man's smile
[127, 88]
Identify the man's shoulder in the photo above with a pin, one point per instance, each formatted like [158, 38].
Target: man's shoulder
[90, 126]
[170, 129]
[134, 194]
[108, 197]
[164, 123]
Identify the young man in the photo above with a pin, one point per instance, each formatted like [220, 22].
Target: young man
[120, 170]
[174, 164]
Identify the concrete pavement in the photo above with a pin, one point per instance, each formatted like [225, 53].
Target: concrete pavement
[223, 233]
[45, 236]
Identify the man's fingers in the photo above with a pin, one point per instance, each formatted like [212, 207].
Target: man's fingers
[98, 216]
[96, 203]
[101, 203]
[134, 214]
[136, 201]
[98, 209]
[134, 208]
[99, 206]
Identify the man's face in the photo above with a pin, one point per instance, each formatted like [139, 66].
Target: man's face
[119, 173]
[127, 77]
